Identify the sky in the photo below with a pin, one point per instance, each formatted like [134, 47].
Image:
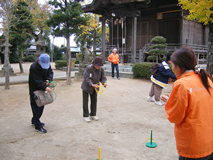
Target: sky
[60, 40]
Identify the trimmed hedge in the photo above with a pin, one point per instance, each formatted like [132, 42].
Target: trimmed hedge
[29, 58]
[60, 63]
[142, 70]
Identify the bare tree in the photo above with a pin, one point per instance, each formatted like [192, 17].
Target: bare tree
[6, 13]
[6, 8]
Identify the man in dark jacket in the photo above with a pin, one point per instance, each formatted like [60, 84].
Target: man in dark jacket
[160, 81]
[93, 74]
[40, 75]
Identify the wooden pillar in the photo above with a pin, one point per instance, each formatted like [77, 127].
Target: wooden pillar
[181, 29]
[117, 35]
[122, 30]
[103, 46]
[125, 34]
[134, 36]
[132, 48]
[112, 31]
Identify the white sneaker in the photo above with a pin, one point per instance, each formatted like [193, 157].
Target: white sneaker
[87, 119]
[150, 99]
[158, 103]
[95, 118]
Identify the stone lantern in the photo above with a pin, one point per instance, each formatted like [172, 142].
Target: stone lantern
[40, 46]
[11, 71]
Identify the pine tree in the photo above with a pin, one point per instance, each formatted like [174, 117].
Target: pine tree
[157, 49]
[21, 32]
[65, 21]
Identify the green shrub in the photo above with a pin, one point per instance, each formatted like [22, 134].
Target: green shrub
[77, 62]
[142, 70]
[158, 48]
[162, 59]
[12, 58]
[30, 58]
[151, 58]
[60, 63]
[158, 39]
[78, 56]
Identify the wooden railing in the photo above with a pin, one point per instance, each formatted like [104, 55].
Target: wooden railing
[200, 50]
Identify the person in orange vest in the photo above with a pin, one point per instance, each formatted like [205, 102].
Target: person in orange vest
[114, 59]
[190, 107]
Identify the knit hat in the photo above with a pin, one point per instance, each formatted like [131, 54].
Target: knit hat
[114, 49]
[44, 60]
[97, 61]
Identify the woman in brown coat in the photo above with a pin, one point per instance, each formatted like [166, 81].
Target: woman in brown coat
[93, 74]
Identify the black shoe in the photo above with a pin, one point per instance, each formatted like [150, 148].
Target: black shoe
[41, 130]
[33, 125]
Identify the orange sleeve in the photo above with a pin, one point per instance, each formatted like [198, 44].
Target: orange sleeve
[177, 104]
[117, 59]
[109, 58]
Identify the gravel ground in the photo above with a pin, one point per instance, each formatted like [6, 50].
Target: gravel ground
[125, 120]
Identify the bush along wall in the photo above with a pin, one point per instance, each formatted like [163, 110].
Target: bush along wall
[142, 70]
[60, 64]
[29, 58]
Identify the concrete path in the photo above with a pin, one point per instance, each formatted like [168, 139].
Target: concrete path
[24, 78]
[124, 70]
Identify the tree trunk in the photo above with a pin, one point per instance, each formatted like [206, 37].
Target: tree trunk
[209, 66]
[6, 58]
[103, 47]
[94, 46]
[69, 82]
[20, 62]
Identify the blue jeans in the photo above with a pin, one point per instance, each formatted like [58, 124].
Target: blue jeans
[209, 157]
[116, 66]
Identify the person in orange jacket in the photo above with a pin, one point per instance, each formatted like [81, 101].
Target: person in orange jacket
[114, 59]
[190, 107]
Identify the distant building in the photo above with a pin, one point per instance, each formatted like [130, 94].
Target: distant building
[31, 50]
[133, 23]
[74, 51]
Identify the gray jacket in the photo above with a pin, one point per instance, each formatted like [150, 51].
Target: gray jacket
[92, 76]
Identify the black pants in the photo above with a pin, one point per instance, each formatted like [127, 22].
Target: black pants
[37, 113]
[93, 105]
[209, 157]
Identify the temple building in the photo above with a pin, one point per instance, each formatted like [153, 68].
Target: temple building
[133, 23]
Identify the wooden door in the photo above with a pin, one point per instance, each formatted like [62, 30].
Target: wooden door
[169, 30]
